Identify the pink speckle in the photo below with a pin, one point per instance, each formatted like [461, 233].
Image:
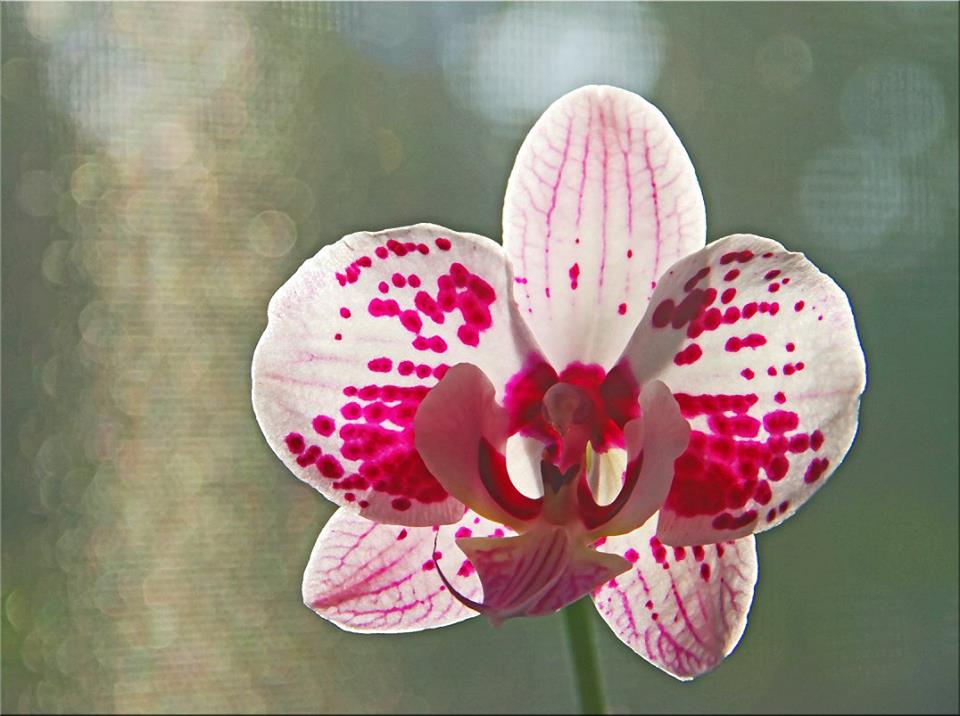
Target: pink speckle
[324, 425]
[747, 373]
[622, 309]
[295, 443]
[816, 468]
[345, 312]
[463, 532]
[443, 244]
[402, 535]
[631, 555]
[380, 365]
[780, 398]
[798, 306]
[574, 273]
[338, 336]
[690, 354]
[705, 571]
[791, 347]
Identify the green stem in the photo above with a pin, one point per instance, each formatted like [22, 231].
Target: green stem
[581, 640]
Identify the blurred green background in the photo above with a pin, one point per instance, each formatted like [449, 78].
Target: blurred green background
[167, 166]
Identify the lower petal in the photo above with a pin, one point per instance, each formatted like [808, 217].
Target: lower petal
[683, 609]
[536, 573]
[368, 577]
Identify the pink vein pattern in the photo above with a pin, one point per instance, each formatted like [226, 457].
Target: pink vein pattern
[682, 609]
[369, 577]
[603, 188]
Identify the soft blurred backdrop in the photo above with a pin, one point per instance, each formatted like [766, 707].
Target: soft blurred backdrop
[167, 166]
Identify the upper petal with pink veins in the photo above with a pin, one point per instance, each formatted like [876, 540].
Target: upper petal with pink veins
[761, 352]
[683, 609]
[355, 340]
[602, 200]
[369, 577]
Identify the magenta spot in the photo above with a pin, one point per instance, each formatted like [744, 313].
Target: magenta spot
[345, 312]
[380, 365]
[351, 411]
[679, 553]
[463, 532]
[771, 371]
[705, 571]
[749, 310]
[427, 566]
[631, 555]
[324, 425]
[738, 256]
[629, 253]
[658, 551]
[731, 274]
[728, 295]
[295, 443]
[411, 321]
[338, 336]
[402, 535]
[398, 280]
[405, 367]
[693, 280]
[816, 468]
[698, 552]
[780, 421]
[727, 521]
[330, 467]
[309, 457]
[443, 244]
[622, 309]
[466, 569]
[791, 347]
[382, 252]
[763, 493]
[690, 354]
[383, 287]
[780, 398]
[424, 371]
[574, 274]
[663, 313]
[400, 504]
[773, 287]
[770, 275]
[816, 439]
[468, 335]
[747, 373]
[413, 280]
[798, 306]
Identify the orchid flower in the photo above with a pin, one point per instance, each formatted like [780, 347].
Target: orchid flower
[602, 406]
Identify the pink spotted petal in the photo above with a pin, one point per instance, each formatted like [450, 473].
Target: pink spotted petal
[369, 577]
[762, 355]
[354, 341]
[683, 609]
[537, 572]
[661, 435]
[602, 200]
[461, 435]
